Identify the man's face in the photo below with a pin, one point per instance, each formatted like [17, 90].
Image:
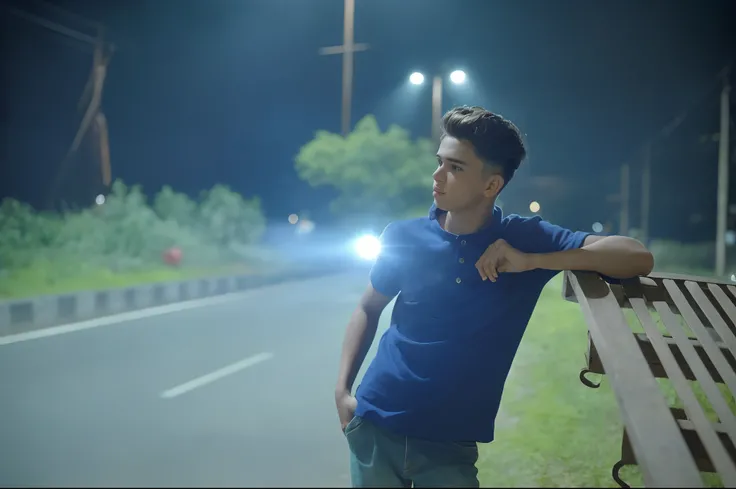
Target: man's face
[461, 180]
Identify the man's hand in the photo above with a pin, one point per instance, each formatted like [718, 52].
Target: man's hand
[346, 405]
[502, 257]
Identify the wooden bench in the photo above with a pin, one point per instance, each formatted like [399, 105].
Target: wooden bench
[665, 326]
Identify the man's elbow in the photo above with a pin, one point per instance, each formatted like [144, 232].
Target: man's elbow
[641, 260]
[636, 264]
[645, 261]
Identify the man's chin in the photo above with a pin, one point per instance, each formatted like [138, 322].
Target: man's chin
[441, 202]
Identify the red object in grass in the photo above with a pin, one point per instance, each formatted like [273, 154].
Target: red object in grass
[172, 256]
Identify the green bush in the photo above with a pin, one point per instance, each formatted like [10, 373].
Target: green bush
[126, 235]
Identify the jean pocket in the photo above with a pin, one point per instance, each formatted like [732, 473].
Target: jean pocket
[353, 425]
[467, 450]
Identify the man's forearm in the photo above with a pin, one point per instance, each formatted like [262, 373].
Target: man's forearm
[614, 256]
[358, 338]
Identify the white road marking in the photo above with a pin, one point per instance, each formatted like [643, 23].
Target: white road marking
[119, 318]
[216, 375]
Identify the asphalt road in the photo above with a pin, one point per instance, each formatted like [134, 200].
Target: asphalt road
[232, 394]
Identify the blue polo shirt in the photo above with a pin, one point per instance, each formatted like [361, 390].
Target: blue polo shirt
[441, 366]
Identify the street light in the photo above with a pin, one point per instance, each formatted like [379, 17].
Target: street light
[416, 78]
[457, 77]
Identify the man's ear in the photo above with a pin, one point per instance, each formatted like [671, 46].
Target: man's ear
[494, 184]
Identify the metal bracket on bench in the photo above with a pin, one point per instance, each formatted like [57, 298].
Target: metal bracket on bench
[587, 382]
[593, 365]
[615, 473]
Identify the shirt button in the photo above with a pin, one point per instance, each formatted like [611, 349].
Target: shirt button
[462, 260]
[458, 280]
[462, 243]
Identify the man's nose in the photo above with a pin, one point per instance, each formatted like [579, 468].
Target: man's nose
[439, 174]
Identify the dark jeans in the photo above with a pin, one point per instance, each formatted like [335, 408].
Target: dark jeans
[379, 458]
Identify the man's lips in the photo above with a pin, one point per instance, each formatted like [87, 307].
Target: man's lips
[436, 190]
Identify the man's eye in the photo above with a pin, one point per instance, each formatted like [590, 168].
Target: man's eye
[456, 168]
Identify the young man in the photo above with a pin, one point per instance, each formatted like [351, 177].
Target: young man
[467, 280]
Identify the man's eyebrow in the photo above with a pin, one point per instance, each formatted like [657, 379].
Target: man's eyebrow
[452, 160]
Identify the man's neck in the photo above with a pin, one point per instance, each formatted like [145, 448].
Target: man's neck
[466, 221]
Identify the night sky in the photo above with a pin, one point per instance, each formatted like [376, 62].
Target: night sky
[216, 91]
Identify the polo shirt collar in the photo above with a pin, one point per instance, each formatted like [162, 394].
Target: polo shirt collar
[491, 225]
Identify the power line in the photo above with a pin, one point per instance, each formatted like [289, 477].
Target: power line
[644, 152]
[675, 122]
[70, 15]
[53, 26]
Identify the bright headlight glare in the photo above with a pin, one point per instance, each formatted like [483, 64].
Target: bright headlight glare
[368, 247]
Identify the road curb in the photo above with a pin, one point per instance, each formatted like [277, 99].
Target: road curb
[34, 313]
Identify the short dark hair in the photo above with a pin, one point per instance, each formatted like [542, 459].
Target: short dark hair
[497, 141]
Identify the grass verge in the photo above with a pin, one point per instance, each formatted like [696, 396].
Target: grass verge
[45, 279]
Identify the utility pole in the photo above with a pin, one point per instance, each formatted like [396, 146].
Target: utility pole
[645, 192]
[624, 217]
[92, 94]
[348, 48]
[723, 157]
[93, 117]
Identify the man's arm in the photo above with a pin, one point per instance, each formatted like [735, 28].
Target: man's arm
[359, 335]
[546, 246]
[385, 284]
[614, 256]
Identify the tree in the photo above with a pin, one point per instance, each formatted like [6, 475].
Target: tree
[375, 172]
[125, 233]
[176, 206]
[116, 233]
[23, 231]
[229, 219]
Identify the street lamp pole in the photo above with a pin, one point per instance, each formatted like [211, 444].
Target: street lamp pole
[457, 77]
[436, 108]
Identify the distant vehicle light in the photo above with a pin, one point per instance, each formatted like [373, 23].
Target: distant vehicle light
[304, 226]
[368, 247]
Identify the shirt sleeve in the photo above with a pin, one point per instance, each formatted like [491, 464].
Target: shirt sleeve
[549, 238]
[555, 238]
[534, 235]
[385, 274]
